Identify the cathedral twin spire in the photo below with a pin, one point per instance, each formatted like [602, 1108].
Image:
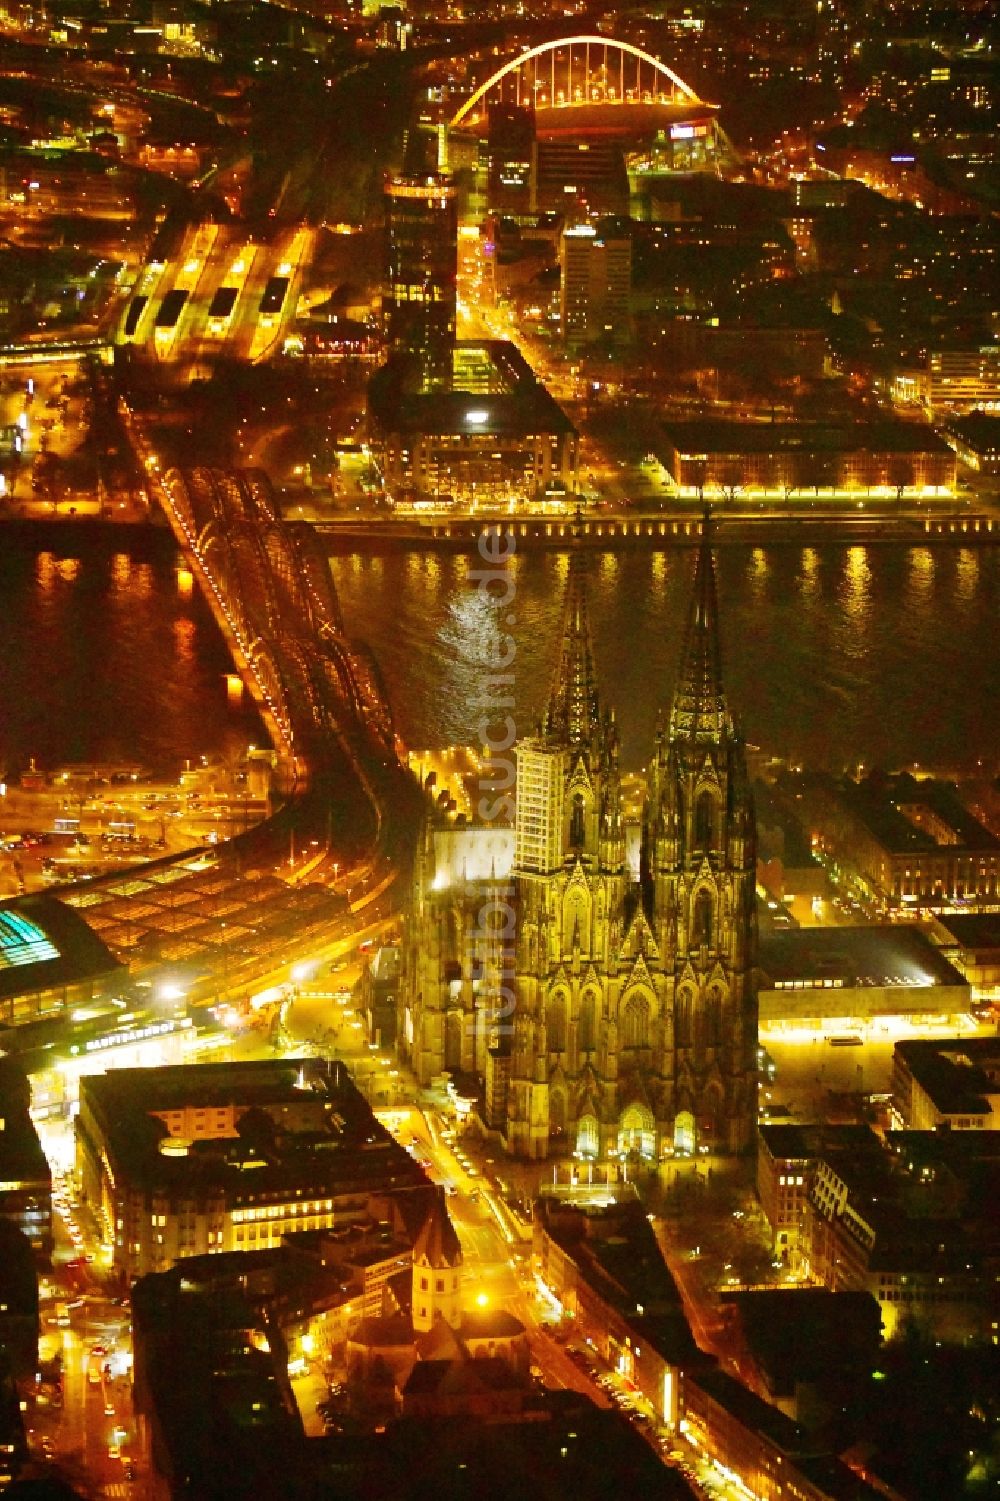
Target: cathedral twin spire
[573, 714]
[699, 710]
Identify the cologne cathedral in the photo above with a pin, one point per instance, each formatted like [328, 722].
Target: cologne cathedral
[609, 1010]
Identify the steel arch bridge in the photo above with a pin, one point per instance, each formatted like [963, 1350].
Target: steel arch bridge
[580, 71]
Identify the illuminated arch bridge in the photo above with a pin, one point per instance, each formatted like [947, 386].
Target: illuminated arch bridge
[617, 84]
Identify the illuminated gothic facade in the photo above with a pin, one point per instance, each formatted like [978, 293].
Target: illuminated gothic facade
[605, 1009]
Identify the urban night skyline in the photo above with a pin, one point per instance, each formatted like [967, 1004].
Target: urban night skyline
[499, 777]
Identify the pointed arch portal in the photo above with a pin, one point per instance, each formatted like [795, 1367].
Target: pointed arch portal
[588, 1136]
[637, 1131]
[684, 1133]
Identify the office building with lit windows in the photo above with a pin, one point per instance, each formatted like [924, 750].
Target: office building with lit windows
[496, 436]
[421, 222]
[195, 1160]
[596, 271]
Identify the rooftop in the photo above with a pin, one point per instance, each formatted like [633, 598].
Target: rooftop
[520, 406]
[880, 806]
[808, 1333]
[854, 957]
[979, 431]
[959, 1075]
[973, 930]
[317, 1131]
[799, 1143]
[705, 437]
[44, 944]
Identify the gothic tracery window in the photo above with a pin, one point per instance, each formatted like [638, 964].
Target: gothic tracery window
[635, 1023]
[684, 1019]
[555, 1022]
[704, 821]
[702, 920]
[711, 1019]
[578, 827]
[587, 1030]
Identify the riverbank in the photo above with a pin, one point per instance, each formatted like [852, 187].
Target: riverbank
[607, 533]
[658, 532]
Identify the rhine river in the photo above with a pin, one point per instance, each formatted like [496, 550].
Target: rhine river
[834, 655]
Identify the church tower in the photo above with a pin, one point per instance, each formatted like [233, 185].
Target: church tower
[569, 868]
[437, 1270]
[628, 1027]
[699, 867]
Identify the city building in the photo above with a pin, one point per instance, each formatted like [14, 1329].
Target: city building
[772, 1457]
[912, 1222]
[971, 942]
[595, 264]
[813, 1349]
[863, 980]
[375, 1000]
[963, 380]
[906, 844]
[947, 1082]
[421, 221]
[202, 1159]
[19, 1321]
[211, 1392]
[898, 459]
[512, 159]
[587, 175]
[634, 1027]
[495, 437]
[25, 1175]
[976, 440]
[786, 1162]
[602, 1263]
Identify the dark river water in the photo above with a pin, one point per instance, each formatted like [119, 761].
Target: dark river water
[833, 655]
[103, 657]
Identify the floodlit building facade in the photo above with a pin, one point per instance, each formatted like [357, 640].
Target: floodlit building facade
[604, 1015]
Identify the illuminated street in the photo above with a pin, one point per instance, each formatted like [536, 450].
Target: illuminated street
[499, 797]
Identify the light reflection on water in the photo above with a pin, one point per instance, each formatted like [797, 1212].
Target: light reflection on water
[103, 657]
[833, 654]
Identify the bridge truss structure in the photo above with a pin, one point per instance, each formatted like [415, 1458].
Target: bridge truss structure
[271, 582]
[580, 71]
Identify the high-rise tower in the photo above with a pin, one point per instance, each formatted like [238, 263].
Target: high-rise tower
[421, 274]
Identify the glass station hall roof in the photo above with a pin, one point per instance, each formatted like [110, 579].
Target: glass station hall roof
[45, 945]
[22, 941]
